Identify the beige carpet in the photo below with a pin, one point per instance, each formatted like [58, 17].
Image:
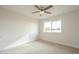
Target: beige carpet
[41, 47]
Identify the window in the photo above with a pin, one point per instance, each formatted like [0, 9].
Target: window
[52, 26]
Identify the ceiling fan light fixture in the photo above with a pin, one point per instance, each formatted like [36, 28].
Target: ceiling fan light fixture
[41, 12]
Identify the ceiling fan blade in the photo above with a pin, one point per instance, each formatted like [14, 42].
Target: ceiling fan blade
[48, 7]
[35, 12]
[38, 7]
[47, 12]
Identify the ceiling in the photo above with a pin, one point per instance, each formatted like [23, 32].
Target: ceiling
[28, 9]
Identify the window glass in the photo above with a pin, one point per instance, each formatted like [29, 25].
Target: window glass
[56, 26]
[47, 27]
[52, 26]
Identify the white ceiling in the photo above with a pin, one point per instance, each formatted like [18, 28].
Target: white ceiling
[28, 9]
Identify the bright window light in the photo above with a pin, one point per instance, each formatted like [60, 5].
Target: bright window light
[47, 27]
[52, 26]
[56, 26]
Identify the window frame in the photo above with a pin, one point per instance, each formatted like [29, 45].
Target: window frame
[51, 31]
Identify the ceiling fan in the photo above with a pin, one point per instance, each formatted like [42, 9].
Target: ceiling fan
[42, 10]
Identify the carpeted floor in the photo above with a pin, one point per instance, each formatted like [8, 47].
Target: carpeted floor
[41, 47]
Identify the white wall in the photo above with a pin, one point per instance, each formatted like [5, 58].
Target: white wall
[70, 30]
[16, 29]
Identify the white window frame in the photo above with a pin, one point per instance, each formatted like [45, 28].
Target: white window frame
[59, 31]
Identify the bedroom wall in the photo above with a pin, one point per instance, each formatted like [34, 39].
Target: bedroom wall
[16, 29]
[70, 30]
